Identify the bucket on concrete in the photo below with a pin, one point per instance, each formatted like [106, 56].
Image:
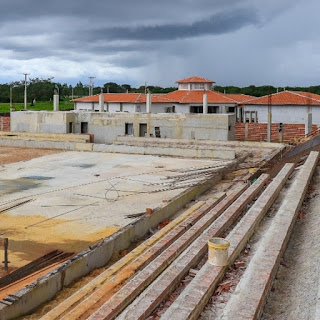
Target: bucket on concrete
[218, 251]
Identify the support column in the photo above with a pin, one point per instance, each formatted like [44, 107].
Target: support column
[269, 124]
[205, 103]
[55, 102]
[101, 102]
[148, 102]
[308, 124]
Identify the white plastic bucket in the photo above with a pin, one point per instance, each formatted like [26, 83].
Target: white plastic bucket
[218, 251]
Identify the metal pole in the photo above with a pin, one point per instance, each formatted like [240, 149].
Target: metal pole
[5, 243]
[25, 90]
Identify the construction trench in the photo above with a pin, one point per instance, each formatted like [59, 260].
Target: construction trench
[155, 265]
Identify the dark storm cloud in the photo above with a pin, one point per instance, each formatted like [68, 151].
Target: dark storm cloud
[126, 10]
[216, 24]
[141, 38]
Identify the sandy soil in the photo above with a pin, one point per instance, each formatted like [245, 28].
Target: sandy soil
[10, 154]
[26, 245]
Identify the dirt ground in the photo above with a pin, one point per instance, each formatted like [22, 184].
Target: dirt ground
[10, 154]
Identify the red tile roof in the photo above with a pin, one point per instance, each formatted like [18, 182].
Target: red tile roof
[113, 97]
[239, 97]
[178, 96]
[287, 98]
[184, 96]
[195, 79]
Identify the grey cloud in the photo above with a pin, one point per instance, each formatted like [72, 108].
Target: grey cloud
[216, 24]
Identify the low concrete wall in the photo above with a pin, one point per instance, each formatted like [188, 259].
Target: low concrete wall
[167, 151]
[46, 136]
[78, 146]
[250, 144]
[98, 255]
[106, 127]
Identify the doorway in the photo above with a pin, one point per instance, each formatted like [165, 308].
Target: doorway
[129, 129]
[143, 129]
[84, 127]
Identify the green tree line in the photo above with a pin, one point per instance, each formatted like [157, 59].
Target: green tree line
[43, 90]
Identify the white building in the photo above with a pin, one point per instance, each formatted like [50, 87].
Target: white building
[294, 107]
[194, 95]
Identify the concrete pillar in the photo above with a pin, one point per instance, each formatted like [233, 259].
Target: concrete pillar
[205, 103]
[101, 102]
[55, 102]
[246, 131]
[308, 124]
[269, 124]
[148, 102]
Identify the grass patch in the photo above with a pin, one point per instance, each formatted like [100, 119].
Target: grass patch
[41, 105]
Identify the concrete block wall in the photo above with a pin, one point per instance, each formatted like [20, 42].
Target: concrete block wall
[106, 127]
[258, 131]
[4, 122]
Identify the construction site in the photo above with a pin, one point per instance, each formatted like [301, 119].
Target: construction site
[120, 230]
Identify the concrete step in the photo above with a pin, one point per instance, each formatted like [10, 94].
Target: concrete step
[251, 293]
[137, 284]
[192, 299]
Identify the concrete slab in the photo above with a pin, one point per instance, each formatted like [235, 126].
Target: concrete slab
[81, 197]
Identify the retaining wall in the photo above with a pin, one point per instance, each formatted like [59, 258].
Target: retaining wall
[147, 150]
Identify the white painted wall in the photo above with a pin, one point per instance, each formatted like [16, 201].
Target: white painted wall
[285, 114]
[83, 106]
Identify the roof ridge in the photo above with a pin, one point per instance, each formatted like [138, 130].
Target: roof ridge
[137, 99]
[185, 96]
[266, 95]
[298, 93]
[222, 94]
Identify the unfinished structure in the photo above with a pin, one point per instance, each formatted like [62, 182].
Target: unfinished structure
[106, 127]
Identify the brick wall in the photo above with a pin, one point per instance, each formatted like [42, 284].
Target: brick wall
[258, 131]
[4, 122]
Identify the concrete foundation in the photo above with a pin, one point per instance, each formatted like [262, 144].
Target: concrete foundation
[96, 256]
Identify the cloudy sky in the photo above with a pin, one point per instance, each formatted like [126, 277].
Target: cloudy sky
[234, 42]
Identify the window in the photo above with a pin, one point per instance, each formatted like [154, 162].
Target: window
[213, 109]
[183, 86]
[196, 109]
[157, 132]
[231, 109]
[197, 86]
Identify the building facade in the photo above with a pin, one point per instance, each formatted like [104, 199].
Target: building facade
[194, 95]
